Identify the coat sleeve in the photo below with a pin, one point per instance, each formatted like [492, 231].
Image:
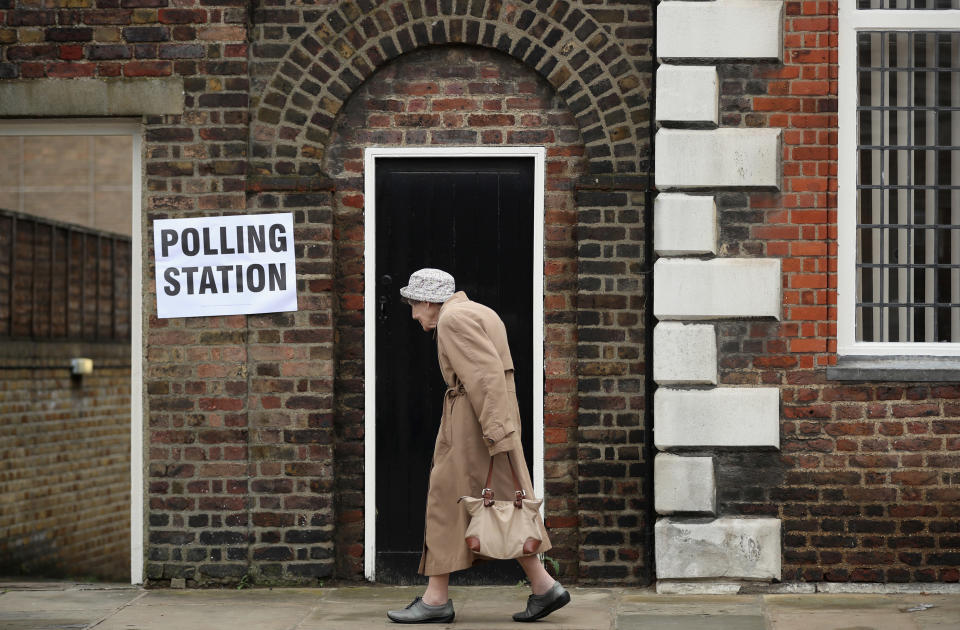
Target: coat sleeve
[476, 363]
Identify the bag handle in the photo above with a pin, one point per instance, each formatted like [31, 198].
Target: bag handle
[487, 492]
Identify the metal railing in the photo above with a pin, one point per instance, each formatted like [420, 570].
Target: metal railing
[63, 281]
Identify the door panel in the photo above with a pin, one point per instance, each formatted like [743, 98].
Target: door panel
[472, 217]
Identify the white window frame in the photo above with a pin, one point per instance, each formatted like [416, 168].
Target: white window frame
[116, 127]
[371, 155]
[852, 20]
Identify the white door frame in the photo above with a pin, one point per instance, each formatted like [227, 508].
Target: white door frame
[134, 128]
[370, 342]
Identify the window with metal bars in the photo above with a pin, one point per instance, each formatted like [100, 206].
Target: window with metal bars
[908, 182]
[908, 4]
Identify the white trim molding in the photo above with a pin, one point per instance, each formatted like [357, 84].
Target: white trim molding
[538, 154]
[851, 21]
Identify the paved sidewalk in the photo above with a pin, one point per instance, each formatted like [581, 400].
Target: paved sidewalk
[33, 606]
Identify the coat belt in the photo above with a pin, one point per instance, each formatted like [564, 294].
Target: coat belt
[453, 392]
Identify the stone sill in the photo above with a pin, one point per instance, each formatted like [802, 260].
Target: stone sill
[895, 369]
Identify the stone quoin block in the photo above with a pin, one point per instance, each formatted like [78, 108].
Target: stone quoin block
[717, 158]
[684, 354]
[726, 417]
[738, 548]
[716, 289]
[684, 224]
[687, 94]
[684, 484]
[728, 29]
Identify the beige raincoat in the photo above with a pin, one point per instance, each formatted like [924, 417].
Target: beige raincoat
[481, 418]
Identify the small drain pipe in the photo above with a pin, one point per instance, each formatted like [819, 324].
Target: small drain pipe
[649, 387]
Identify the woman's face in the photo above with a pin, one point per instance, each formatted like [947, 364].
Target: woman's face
[427, 313]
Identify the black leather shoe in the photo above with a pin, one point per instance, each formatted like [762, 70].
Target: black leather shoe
[420, 612]
[539, 606]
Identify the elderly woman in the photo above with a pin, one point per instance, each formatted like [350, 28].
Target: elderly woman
[481, 420]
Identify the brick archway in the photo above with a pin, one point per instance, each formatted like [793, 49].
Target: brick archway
[597, 275]
[292, 122]
[417, 100]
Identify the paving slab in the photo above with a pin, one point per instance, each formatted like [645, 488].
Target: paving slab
[202, 616]
[477, 608]
[40, 605]
[690, 622]
[44, 605]
[830, 620]
[848, 602]
[650, 603]
[234, 597]
[876, 612]
[227, 609]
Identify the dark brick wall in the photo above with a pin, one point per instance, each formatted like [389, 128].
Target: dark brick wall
[613, 435]
[119, 38]
[64, 443]
[254, 424]
[591, 112]
[241, 442]
[866, 481]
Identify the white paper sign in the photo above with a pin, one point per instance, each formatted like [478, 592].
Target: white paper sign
[225, 265]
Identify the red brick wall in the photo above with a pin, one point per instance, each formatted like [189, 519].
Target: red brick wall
[866, 481]
[64, 461]
[128, 38]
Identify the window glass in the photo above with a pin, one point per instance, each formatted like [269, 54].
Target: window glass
[908, 186]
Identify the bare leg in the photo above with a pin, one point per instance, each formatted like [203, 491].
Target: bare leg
[437, 593]
[540, 580]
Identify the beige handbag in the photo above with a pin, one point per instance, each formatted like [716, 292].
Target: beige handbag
[503, 529]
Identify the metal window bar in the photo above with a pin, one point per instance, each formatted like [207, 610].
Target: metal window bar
[53, 261]
[915, 226]
[954, 277]
[908, 188]
[13, 273]
[40, 287]
[908, 304]
[899, 265]
[908, 4]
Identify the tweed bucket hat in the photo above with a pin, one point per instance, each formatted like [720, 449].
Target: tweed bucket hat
[429, 285]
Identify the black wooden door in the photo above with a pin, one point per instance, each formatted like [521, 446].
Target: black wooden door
[472, 217]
